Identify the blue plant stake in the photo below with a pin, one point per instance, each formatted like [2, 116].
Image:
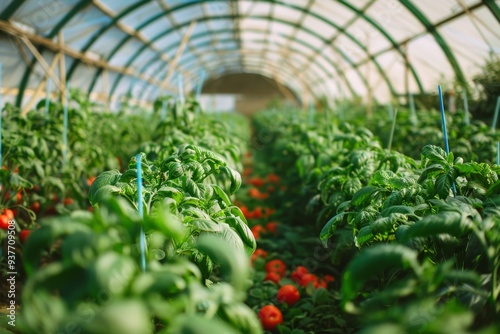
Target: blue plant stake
[390, 111]
[498, 153]
[312, 110]
[180, 82]
[445, 133]
[47, 98]
[495, 118]
[466, 107]
[199, 86]
[65, 126]
[142, 237]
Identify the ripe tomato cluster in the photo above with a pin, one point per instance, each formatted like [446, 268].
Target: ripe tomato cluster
[8, 215]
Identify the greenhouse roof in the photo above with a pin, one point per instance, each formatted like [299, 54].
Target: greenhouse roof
[341, 48]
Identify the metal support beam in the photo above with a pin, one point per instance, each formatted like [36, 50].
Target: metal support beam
[41, 86]
[49, 44]
[178, 53]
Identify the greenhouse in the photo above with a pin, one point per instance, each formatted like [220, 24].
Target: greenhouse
[272, 166]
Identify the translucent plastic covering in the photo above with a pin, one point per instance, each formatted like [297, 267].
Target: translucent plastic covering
[379, 48]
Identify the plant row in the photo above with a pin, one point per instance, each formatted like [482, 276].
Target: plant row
[92, 270]
[417, 240]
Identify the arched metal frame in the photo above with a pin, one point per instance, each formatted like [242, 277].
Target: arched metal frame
[195, 37]
[180, 26]
[10, 10]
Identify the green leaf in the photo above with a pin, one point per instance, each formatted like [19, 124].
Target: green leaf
[175, 170]
[206, 225]
[429, 170]
[225, 198]
[197, 324]
[240, 316]
[103, 193]
[244, 232]
[126, 316]
[444, 183]
[434, 153]
[43, 238]
[403, 209]
[111, 272]
[165, 284]
[235, 178]
[237, 212]
[363, 195]
[110, 177]
[370, 262]
[55, 182]
[330, 227]
[232, 260]
[129, 175]
[364, 235]
[170, 192]
[449, 222]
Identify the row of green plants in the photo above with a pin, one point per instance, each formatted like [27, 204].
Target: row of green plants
[83, 267]
[417, 240]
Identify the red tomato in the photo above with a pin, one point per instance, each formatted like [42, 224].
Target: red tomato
[24, 235]
[271, 189]
[35, 207]
[297, 274]
[90, 180]
[273, 178]
[273, 277]
[308, 279]
[254, 193]
[276, 266]
[256, 181]
[257, 230]
[272, 227]
[247, 171]
[68, 201]
[245, 211]
[9, 213]
[263, 195]
[268, 212]
[288, 294]
[328, 278]
[321, 284]
[258, 253]
[19, 197]
[270, 316]
[257, 213]
[4, 222]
